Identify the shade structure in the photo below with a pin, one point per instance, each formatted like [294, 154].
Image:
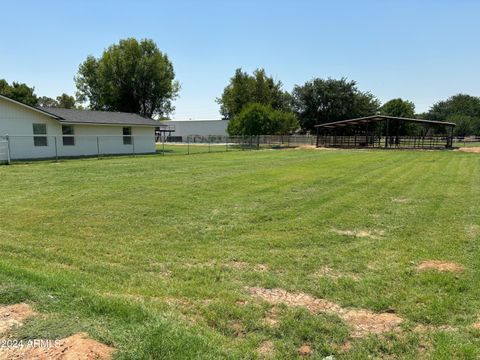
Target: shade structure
[387, 132]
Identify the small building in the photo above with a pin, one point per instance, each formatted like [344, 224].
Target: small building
[28, 132]
[179, 130]
[387, 132]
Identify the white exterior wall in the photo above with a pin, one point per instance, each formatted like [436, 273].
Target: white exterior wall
[198, 127]
[17, 122]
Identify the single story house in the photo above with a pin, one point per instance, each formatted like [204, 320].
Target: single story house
[28, 132]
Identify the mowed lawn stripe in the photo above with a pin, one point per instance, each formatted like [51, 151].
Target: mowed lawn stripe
[176, 240]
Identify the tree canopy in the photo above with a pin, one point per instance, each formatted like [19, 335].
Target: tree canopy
[131, 76]
[260, 119]
[462, 109]
[245, 89]
[18, 91]
[399, 108]
[325, 100]
[63, 101]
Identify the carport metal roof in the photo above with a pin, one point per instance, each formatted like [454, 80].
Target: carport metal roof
[375, 118]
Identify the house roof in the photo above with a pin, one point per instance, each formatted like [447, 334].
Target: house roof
[374, 118]
[93, 117]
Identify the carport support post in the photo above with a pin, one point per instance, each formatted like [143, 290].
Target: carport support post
[387, 131]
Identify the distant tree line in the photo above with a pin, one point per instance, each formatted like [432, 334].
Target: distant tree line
[257, 104]
[25, 94]
[135, 76]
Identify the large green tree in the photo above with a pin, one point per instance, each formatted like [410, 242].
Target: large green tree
[66, 101]
[19, 91]
[260, 119]
[245, 89]
[131, 76]
[462, 109]
[325, 100]
[398, 108]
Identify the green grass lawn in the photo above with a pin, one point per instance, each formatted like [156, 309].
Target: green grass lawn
[153, 255]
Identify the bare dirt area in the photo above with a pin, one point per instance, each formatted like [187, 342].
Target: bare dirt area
[75, 347]
[470, 149]
[439, 265]
[78, 346]
[13, 315]
[362, 322]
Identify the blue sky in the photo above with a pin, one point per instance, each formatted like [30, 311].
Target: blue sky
[423, 51]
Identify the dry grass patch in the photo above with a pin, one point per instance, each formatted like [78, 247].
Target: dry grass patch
[266, 349]
[439, 265]
[422, 329]
[374, 234]
[362, 322]
[401, 200]
[271, 319]
[328, 272]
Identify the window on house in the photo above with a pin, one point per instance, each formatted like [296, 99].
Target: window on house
[40, 135]
[127, 136]
[68, 135]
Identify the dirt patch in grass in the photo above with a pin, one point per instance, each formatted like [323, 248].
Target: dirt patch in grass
[304, 350]
[266, 349]
[374, 234]
[78, 346]
[362, 322]
[470, 149]
[13, 315]
[439, 265]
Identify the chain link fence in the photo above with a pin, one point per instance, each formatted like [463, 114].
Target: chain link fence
[26, 148]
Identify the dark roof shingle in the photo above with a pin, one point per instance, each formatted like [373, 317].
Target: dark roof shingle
[99, 117]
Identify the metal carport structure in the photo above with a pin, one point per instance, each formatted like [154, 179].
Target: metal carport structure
[387, 132]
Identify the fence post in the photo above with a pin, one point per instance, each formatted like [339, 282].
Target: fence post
[163, 145]
[133, 145]
[98, 148]
[56, 149]
[209, 143]
[8, 150]
[188, 145]
[226, 143]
